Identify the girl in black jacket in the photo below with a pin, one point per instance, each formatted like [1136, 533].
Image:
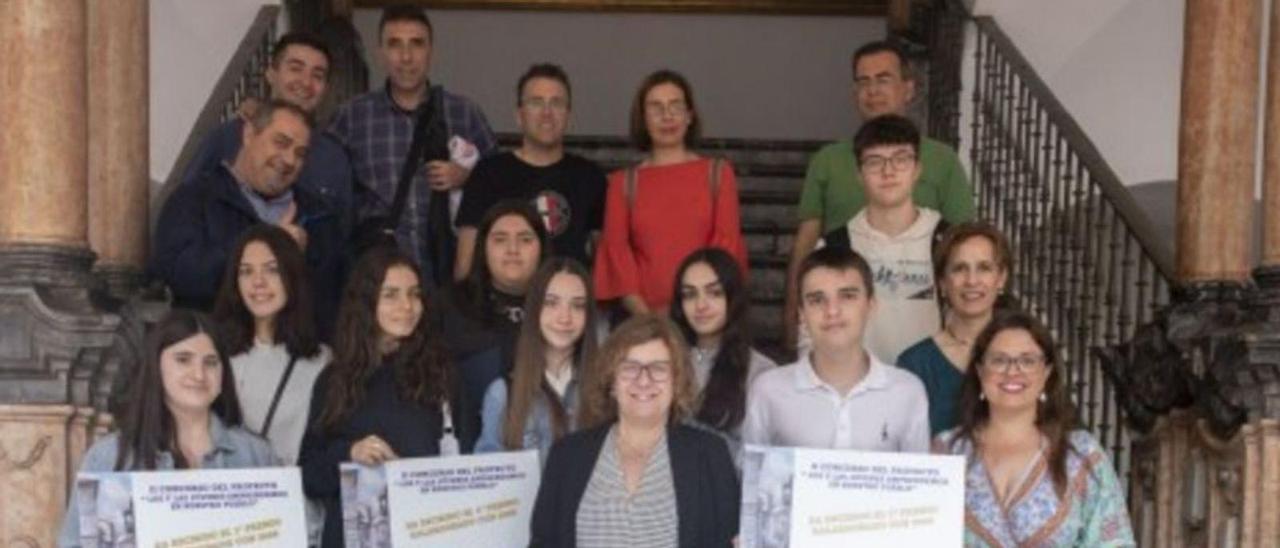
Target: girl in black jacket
[390, 391]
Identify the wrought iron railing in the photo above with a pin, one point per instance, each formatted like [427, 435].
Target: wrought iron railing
[242, 78]
[1088, 261]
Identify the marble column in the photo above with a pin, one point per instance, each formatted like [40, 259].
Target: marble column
[58, 348]
[118, 173]
[1268, 274]
[44, 146]
[1216, 140]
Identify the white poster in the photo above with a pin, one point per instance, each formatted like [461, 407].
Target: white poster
[830, 498]
[469, 500]
[192, 508]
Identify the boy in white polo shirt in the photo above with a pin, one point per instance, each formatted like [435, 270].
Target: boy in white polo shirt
[838, 395]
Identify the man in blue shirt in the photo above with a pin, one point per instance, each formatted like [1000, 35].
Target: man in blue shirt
[299, 74]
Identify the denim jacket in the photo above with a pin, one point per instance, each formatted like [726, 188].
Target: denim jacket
[538, 432]
[233, 447]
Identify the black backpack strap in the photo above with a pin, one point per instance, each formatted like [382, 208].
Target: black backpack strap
[838, 238]
[939, 232]
[413, 160]
[275, 400]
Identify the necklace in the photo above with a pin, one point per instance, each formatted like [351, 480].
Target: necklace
[955, 339]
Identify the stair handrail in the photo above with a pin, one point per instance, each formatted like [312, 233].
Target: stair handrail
[241, 78]
[1100, 170]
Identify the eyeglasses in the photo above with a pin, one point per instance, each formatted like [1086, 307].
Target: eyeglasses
[557, 104]
[1001, 363]
[674, 108]
[658, 371]
[876, 164]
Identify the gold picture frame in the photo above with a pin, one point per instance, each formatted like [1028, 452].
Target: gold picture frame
[877, 8]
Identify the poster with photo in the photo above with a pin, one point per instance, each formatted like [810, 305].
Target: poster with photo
[192, 508]
[468, 500]
[830, 498]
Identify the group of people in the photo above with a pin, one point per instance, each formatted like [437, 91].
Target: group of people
[396, 287]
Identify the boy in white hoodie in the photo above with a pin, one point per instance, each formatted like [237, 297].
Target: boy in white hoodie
[894, 235]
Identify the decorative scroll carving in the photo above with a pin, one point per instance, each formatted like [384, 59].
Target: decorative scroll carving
[33, 456]
[1189, 356]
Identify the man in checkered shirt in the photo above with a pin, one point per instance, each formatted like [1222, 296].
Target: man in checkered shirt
[377, 129]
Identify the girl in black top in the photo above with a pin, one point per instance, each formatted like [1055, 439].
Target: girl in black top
[481, 315]
[390, 391]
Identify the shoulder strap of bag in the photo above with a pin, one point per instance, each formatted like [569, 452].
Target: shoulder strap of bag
[275, 400]
[629, 187]
[713, 180]
[422, 120]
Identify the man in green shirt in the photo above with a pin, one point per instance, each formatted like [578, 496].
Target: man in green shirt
[833, 190]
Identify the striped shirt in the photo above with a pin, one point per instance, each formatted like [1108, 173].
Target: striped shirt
[377, 133]
[610, 518]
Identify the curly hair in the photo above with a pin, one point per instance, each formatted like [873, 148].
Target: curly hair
[422, 369]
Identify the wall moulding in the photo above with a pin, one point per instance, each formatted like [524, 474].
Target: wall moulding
[775, 7]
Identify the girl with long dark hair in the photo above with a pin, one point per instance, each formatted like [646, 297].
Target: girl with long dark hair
[389, 392]
[182, 412]
[481, 315]
[712, 314]
[539, 403]
[265, 310]
[1033, 478]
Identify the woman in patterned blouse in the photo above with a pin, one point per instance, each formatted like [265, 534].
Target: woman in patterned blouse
[1032, 479]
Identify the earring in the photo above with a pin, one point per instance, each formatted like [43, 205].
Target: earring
[982, 396]
[1043, 397]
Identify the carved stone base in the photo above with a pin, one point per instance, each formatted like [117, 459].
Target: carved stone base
[35, 451]
[1193, 489]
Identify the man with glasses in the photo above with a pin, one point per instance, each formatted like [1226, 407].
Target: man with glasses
[838, 395]
[895, 235]
[834, 190]
[566, 189]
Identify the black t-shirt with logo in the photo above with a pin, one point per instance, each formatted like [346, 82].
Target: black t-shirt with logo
[569, 195]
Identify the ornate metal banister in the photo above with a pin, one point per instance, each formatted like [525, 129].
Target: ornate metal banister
[242, 78]
[1088, 261]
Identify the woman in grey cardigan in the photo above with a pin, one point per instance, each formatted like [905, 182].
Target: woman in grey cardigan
[267, 315]
[638, 477]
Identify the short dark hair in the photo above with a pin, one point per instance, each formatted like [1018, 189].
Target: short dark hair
[883, 46]
[549, 71]
[405, 13]
[640, 131]
[887, 129]
[836, 258]
[262, 116]
[299, 38]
